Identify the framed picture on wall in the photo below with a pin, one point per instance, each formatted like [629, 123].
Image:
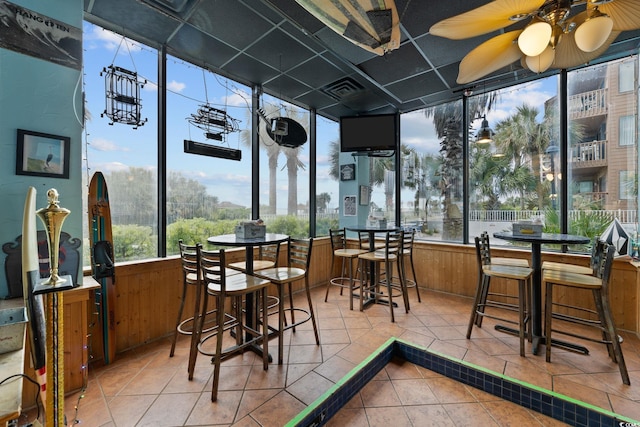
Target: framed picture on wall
[364, 195]
[350, 207]
[348, 172]
[42, 154]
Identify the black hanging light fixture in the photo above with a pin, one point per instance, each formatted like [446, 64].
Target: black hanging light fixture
[485, 134]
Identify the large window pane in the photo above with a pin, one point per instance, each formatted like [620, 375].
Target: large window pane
[421, 162]
[432, 184]
[327, 175]
[206, 195]
[602, 148]
[125, 153]
[516, 176]
[284, 171]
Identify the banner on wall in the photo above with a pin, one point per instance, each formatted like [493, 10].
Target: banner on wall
[31, 33]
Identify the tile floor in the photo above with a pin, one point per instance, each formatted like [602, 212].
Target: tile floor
[145, 387]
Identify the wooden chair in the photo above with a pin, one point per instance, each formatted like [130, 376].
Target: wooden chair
[485, 298]
[376, 283]
[598, 284]
[222, 287]
[298, 261]
[346, 257]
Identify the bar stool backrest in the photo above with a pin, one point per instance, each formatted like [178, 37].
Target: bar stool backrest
[605, 265]
[363, 238]
[393, 243]
[483, 250]
[212, 264]
[300, 253]
[338, 239]
[189, 259]
[407, 242]
[270, 253]
[598, 251]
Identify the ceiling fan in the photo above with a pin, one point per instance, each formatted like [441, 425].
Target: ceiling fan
[555, 37]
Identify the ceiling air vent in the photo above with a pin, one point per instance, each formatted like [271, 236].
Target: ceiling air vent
[343, 88]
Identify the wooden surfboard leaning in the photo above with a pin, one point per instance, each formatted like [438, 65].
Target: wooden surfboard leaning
[376, 30]
[34, 303]
[102, 262]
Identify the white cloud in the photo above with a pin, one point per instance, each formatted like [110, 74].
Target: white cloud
[101, 144]
[175, 86]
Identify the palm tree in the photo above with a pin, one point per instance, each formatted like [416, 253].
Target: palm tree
[293, 163]
[522, 139]
[273, 151]
[447, 120]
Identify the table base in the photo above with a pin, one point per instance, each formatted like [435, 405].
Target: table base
[537, 341]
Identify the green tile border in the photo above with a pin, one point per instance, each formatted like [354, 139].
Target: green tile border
[544, 401]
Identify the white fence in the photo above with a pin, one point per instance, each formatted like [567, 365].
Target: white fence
[627, 216]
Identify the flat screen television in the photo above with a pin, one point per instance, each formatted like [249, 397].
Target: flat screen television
[379, 132]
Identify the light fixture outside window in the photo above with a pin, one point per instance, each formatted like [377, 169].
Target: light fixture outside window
[485, 134]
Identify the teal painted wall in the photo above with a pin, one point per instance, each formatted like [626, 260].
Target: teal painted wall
[44, 97]
[352, 188]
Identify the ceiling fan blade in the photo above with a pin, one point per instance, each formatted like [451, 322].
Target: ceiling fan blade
[490, 56]
[567, 52]
[356, 21]
[624, 13]
[484, 19]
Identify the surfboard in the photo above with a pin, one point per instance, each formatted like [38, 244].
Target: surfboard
[34, 303]
[102, 263]
[376, 29]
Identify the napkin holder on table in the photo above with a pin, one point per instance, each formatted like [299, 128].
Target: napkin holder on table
[250, 230]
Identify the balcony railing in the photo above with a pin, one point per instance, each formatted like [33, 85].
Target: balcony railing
[589, 154]
[588, 104]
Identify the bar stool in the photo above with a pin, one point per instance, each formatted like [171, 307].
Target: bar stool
[596, 252]
[373, 280]
[267, 258]
[346, 256]
[190, 268]
[484, 298]
[516, 262]
[406, 253]
[217, 284]
[298, 262]
[599, 286]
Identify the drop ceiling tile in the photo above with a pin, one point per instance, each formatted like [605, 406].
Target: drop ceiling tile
[191, 43]
[230, 21]
[279, 50]
[316, 72]
[396, 65]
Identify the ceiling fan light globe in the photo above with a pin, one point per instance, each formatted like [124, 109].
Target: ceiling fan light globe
[535, 38]
[593, 33]
[542, 62]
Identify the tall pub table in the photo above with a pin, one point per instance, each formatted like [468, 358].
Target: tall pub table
[536, 288]
[250, 243]
[372, 231]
